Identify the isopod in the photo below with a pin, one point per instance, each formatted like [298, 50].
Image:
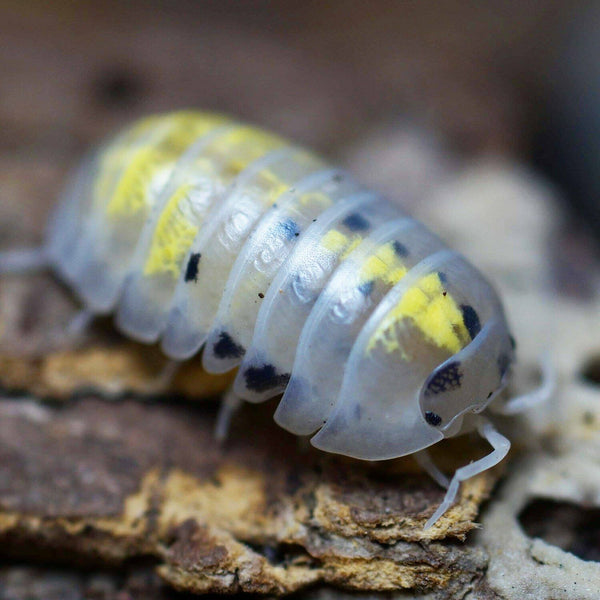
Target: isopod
[199, 231]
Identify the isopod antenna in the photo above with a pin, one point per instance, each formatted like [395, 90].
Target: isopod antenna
[23, 260]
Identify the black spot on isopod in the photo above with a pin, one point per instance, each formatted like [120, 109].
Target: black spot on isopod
[400, 249]
[513, 343]
[261, 295]
[289, 228]
[471, 319]
[443, 277]
[366, 288]
[356, 222]
[433, 418]
[489, 395]
[261, 379]
[191, 271]
[227, 348]
[445, 379]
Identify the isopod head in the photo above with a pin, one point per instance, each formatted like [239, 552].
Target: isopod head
[469, 380]
[436, 347]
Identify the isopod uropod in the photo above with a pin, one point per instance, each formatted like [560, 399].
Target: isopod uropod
[200, 231]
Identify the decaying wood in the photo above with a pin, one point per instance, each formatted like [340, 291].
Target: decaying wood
[103, 481]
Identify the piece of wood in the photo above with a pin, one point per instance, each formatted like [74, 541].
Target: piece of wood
[102, 482]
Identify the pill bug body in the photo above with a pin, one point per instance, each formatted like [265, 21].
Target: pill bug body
[199, 231]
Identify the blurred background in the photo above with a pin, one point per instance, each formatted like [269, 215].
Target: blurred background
[397, 91]
[321, 72]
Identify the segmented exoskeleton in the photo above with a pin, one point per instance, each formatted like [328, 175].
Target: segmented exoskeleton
[200, 231]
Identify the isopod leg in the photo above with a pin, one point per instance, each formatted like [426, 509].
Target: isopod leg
[531, 399]
[168, 372]
[425, 461]
[230, 404]
[500, 446]
[24, 260]
[79, 324]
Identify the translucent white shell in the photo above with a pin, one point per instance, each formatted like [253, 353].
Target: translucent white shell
[199, 231]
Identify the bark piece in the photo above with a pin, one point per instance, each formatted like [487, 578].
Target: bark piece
[96, 481]
[22, 582]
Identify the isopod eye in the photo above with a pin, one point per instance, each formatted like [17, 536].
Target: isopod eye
[468, 380]
[433, 418]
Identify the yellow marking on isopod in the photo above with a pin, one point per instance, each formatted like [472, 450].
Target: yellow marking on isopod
[131, 194]
[432, 310]
[355, 241]
[384, 265]
[338, 243]
[114, 158]
[241, 146]
[222, 159]
[315, 198]
[172, 237]
[274, 187]
[334, 241]
[171, 136]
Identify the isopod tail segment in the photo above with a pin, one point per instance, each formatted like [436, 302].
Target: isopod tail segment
[31, 260]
